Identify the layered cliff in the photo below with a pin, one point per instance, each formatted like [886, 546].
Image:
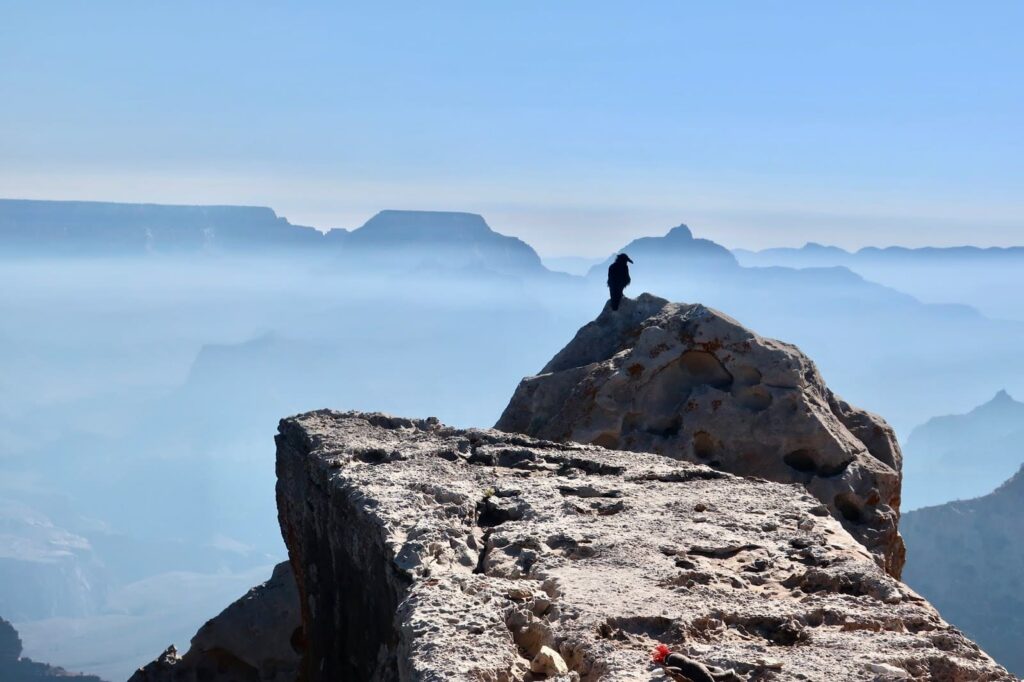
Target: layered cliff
[968, 558]
[424, 552]
[690, 383]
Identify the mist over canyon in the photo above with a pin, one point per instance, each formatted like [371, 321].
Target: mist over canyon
[148, 351]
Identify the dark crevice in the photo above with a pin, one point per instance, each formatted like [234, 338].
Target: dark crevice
[849, 507]
[485, 547]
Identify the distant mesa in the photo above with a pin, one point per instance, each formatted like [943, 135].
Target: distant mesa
[441, 240]
[90, 228]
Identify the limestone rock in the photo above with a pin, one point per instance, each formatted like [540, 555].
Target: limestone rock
[690, 383]
[549, 662]
[424, 552]
[255, 639]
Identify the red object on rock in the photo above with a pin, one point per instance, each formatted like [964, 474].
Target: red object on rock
[659, 653]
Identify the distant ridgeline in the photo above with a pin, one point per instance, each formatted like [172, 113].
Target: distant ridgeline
[85, 228]
[812, 255]
[82, 228]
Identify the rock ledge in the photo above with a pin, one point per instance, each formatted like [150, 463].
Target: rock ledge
[423, 552]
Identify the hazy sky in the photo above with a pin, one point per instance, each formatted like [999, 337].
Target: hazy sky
[575, 125]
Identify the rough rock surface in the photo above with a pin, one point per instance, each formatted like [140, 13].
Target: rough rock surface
[424, 552]
[968, 558]
[691, 383]
[256, 639]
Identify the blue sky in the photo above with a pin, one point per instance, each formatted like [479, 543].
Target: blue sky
[575, 125]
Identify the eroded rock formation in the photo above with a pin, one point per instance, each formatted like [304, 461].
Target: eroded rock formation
[691, 383]
[256, 639]
[424, 552]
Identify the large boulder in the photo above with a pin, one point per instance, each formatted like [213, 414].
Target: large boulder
[258, 638]
[424, 552]
[690, 383]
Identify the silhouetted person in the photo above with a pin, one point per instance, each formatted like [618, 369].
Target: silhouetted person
[618, 278]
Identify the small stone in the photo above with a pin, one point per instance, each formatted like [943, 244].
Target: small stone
[549, 662]
[885, 671]
[806, 524]
[700, 507]
[519, 593]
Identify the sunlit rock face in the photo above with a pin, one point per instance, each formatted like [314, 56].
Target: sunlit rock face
[423, 552]
[690, 383]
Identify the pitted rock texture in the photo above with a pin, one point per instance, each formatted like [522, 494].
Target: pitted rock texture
[691, 383]
[424, 552]
[255, 639]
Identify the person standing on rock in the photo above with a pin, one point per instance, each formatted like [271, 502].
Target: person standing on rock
[618, 278]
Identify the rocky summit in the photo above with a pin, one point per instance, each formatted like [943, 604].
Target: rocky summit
[690, 383]
[424, 552]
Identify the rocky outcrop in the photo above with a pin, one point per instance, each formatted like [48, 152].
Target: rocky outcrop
[424, 552]
[256, 639]
[688, 382]
[968, 558]
[13, 668]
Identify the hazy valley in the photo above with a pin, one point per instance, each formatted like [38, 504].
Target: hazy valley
[147, 353]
